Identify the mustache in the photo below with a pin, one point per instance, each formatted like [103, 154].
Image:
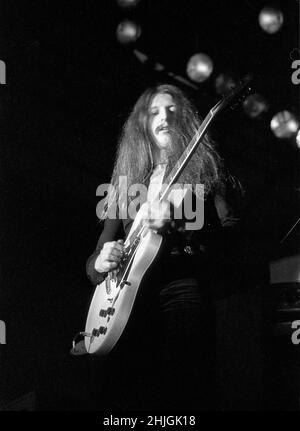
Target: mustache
[163, 127]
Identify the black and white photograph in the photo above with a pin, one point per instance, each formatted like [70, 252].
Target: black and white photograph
[150, 217]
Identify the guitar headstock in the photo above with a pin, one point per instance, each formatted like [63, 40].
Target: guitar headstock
[235, 96]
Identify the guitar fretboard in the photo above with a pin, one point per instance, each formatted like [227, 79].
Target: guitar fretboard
[186, 156]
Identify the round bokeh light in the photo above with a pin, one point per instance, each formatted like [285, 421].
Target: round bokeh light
[255, 105]
[284, 124]
[128, 3]
[270, 19]
[224, 83]
[128, 32]
[199, 67]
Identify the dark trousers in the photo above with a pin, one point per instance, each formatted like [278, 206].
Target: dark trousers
[188, 346]
[166, 358]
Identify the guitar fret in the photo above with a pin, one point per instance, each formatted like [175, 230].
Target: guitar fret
[186, 155]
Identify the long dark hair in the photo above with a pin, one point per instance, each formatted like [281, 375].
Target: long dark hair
[134, 157]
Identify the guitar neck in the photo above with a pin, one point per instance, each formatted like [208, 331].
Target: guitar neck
[186, 155]
[189, 151]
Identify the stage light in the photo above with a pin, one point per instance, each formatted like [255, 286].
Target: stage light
[128, 32]
[270, 19]
[255, 105]
[224, 83]
[298, 139]
[284, 124]
[199, 67]
[127, 3]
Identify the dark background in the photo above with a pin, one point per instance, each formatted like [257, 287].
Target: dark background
[70, 86]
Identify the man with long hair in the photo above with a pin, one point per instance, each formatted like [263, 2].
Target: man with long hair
[174, 308]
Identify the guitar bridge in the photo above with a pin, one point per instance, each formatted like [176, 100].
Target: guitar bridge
[124, 283]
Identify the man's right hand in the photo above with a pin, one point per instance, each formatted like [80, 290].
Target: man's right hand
[110, 256]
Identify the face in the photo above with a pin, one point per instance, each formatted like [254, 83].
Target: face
[162, 119]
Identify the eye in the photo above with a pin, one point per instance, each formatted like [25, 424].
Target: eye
[172, 108]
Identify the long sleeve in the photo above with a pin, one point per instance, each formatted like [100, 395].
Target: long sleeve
[227, 216]
[112, 231]
[227, 248]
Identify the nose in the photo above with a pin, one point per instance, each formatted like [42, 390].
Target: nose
[164, 115]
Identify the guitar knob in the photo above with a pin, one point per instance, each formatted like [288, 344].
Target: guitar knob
[102, 330]
[103, 313]
[95, 333]
[110, 311]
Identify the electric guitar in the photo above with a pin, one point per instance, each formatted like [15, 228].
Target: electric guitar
[114, 298]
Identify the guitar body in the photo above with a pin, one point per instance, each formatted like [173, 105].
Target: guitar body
[113, 300]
